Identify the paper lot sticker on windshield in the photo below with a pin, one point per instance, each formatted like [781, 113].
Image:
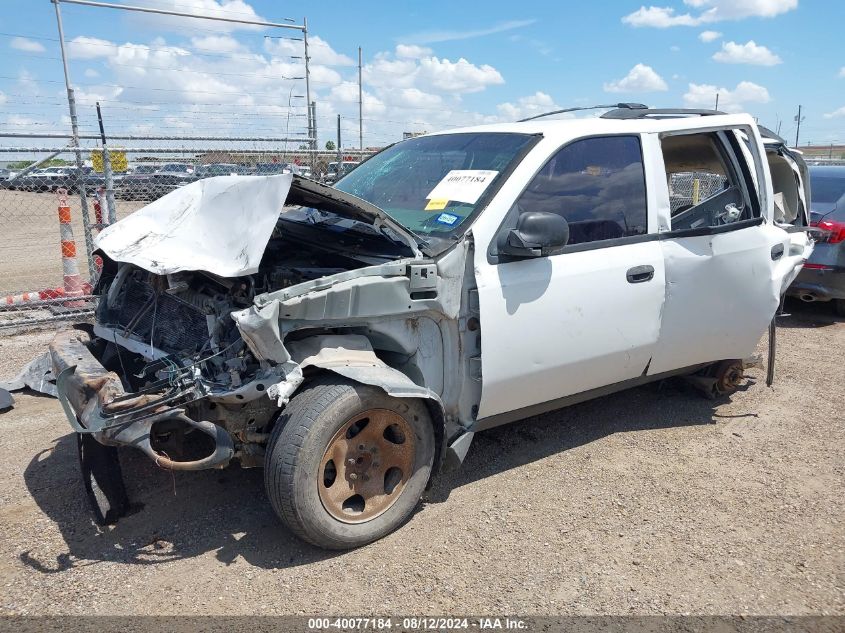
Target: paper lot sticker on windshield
[463, 185]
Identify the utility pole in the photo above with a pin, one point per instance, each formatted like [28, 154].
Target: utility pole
[360, 109]
[313, 112]
[339, 157]
[74, 127]
[312, 123]
[717, 102]
[798, 129]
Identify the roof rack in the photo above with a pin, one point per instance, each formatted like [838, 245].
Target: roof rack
[659, 113]
[618, 106]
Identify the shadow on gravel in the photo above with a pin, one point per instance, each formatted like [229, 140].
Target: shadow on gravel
[173, 516]
[183, 515]
[800, 314]
[670, 403]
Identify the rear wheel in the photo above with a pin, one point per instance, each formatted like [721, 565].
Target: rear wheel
[346, 463]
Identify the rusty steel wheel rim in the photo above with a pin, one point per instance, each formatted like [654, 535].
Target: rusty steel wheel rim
[366, 466]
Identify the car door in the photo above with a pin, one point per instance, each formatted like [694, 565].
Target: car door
[726, 261]
[586, 317]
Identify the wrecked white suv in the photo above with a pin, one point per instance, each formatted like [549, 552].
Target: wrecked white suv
[354, 340]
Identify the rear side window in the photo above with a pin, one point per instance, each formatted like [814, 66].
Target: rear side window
[706, 186]
[597, 184]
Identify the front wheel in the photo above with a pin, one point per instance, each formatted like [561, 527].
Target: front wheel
[346, 463]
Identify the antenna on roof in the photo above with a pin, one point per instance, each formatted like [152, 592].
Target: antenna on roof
[629, 106]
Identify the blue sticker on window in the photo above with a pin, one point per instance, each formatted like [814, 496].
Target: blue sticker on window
[447, 218]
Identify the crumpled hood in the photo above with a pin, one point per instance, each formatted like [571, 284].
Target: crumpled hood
[222, 225]
[219, 225]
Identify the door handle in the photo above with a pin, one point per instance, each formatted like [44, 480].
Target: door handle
[639, 274]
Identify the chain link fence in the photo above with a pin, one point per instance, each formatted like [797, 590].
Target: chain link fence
[689, 188]
[51, 211]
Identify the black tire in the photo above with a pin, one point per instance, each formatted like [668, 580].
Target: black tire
[102, 479]
[839, 307]
[299, 441]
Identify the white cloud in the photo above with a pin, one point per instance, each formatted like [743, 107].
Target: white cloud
[709, 36]
[319, 50]
[90, 95]
[715, 10]
[538, 103]
[235, 9]
[458, 77]
[322, 53]
[674, 49]
[415, 98]
[84, 47]
[640, 78]
[412, 51]
[27, 45]
[90, 73]
[347, 93]
[842, 72]
[216, 44]
[658, 17]
[748, 53]
[3, 97]
[836, 114]
[709, 11]
[431, 37]
[704, 96]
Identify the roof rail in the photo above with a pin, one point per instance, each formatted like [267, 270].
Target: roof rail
[618, 106]
[660, 113]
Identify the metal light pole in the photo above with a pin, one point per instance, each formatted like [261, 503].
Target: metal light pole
[360, 108]
[74, 127]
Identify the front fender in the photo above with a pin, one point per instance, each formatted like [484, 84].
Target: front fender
[352, 356]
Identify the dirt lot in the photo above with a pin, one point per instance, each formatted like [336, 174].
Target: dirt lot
[646, 502]
[30, 254]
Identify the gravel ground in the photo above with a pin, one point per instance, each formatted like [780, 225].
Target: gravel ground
[30, 251]
[651, 501]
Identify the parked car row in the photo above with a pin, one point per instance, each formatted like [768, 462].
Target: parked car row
[150, 182]
[50, 179]
[142, 182]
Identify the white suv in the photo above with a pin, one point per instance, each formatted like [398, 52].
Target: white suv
[355, 341]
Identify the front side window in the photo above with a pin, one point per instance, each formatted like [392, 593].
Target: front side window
[597, 185]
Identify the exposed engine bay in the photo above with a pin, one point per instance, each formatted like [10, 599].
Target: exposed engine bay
[178, 354]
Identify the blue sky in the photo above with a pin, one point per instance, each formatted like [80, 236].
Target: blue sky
[428, 66]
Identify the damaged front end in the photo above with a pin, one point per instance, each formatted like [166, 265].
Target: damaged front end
[96, 403]
[166, 368]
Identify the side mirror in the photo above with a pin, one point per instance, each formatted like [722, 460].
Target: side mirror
[537, 234]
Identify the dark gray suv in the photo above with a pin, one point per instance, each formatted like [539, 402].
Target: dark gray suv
[823, 276]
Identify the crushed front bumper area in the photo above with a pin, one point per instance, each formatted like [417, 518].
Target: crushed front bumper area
[96, 403]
